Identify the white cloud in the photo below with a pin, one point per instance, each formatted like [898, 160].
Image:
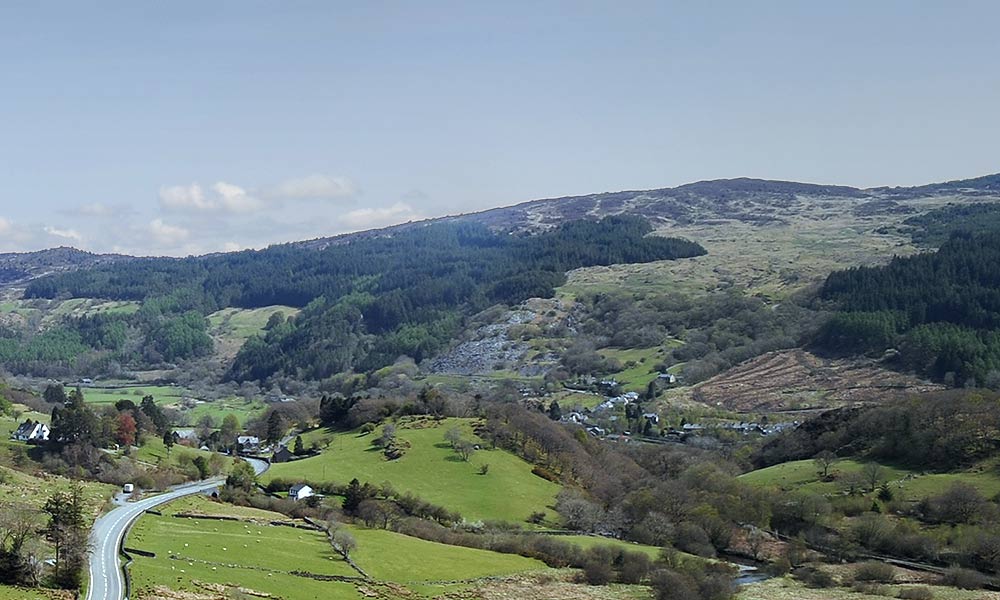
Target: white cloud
[312, 187]
[363, 218]
[234, 247]
[5, 226]
[167, 235]
[68, 234]
[97, 209]
[221, 197]
[225, 197]
[234, 199]
[181, 197]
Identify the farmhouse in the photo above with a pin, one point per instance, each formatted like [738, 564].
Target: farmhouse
[281, 455]
[300, 491]
[249, 444]
[667, 378]
[32, 432]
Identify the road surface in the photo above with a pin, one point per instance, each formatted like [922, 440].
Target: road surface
[107, 581]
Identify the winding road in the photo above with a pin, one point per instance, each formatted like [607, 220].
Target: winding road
[107, 580]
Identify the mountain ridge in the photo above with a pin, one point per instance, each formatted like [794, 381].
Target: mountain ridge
[667, 203]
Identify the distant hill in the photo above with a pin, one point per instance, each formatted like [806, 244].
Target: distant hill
[754, 201]
[370, 297]
[16, 267]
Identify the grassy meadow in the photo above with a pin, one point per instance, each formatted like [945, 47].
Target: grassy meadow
[32, 490]
[197, 555]
[240, 324]
[430, 469]
[643, 363]
[162, 394]
[390, 556]
[174, 397]
[907, 485]
[16, 593]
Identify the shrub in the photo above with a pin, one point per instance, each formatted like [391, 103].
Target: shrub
[965, 579]
[812, 577]
[598, 572]
[916, 593]
[670, 585]
[871, 589]
[545, 473]
[635, 567]
[780, 567]
[690, 537]
[874, 571]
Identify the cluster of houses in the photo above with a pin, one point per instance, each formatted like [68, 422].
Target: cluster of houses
[621, 400]
[761, 428]
[584, 418]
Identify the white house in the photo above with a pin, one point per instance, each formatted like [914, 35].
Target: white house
[667, 377]
[300, 492]
[32, 432]
[249, 443]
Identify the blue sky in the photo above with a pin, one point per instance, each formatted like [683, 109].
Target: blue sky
[190, 127]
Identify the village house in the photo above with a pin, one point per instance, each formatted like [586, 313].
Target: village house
[32, 432]
[300, 491]
[281, 455]
[248, 444]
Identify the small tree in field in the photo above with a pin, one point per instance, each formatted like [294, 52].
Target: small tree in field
[465, 449]
[824, 461]
[453, 436]
[874, 474]
[343, 542]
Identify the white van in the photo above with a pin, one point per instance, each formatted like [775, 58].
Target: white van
[128, 488]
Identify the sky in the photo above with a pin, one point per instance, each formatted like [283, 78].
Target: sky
[177, 128]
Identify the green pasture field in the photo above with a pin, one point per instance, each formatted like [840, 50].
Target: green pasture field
[391, 556]
[240, 324]
[162, 394]
[637, 377]
[571, 400]
[253, 555]
[908, 485]
[23, 488]
[430, 469]
[235, 555]
[16, 593]
[167, 395]
[154, 452]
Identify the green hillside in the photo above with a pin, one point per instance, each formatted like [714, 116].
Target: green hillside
[430, 469]
[193, 555]
[911, 485]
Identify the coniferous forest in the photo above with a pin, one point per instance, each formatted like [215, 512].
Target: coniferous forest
[940, 310]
